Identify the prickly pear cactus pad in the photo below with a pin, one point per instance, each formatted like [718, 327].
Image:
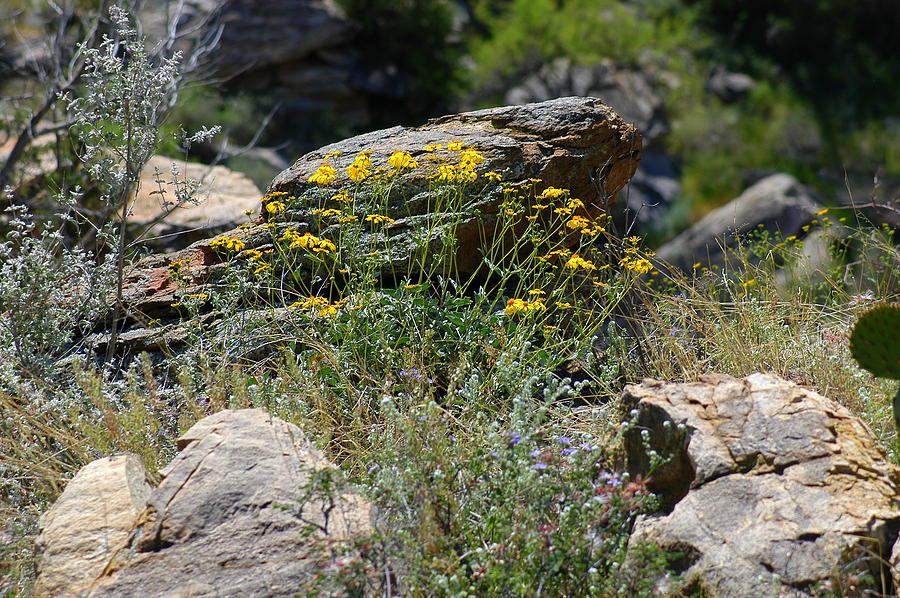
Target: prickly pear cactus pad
[875, 341]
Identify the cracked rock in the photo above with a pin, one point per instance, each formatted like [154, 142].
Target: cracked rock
[236, 515]
[771, 489]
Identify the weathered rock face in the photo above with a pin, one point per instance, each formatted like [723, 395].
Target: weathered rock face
[779, 203]
[565, 142]
[632, 94]
[224, 198]
[768, 484]
[235, 515]
[88, 523]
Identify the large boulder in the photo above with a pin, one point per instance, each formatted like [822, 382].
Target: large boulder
[575, 143]
[88, 524]
[770, 489]
[778, 205]
[238, 514]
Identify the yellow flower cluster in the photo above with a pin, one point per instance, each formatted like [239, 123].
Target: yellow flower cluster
[275, 202]
[326, 308]
[228, 243]
[552, 193]
[637, 265]
[516, 306]
[274, 207]
[576, 261]
[401, 160]
[469, 159]
[584, 226]
[379, 219]
[307, 241]
[325, 175]
[360, 169]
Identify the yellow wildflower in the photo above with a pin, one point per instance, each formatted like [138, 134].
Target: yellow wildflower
[328, 310]
[563, 211]
[455, 146]
[330, 155]
[822, 212]
[575, 203]
[229, 243]
[539, 206]
[470, 158]
[563, 305]
[274, 207]
[325, 175]
[446, 173]
[379, 219]
[494, 176]
[309, 302]
[514, 306]
[433, 146]
[360, 168]
[348, 218]
[576, 261]
[400, 160]
[308, 241]
[639, 266]
[341, 197]
[262, 267]
[579, 222]
[537, 292]
[330, 212]
[552, 193]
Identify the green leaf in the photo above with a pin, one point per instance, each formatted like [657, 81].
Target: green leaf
[875, 341]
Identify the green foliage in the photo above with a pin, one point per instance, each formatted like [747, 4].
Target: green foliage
[875, 344]
[846, 66]
[518, 505]
[875, 341]
[524, 34]
[411, 39]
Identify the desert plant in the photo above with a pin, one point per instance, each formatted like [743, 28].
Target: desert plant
[875, 344]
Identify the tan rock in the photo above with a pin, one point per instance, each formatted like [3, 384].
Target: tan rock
[88, 523]
[235, 516]
[771, 488]
[224, 196]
